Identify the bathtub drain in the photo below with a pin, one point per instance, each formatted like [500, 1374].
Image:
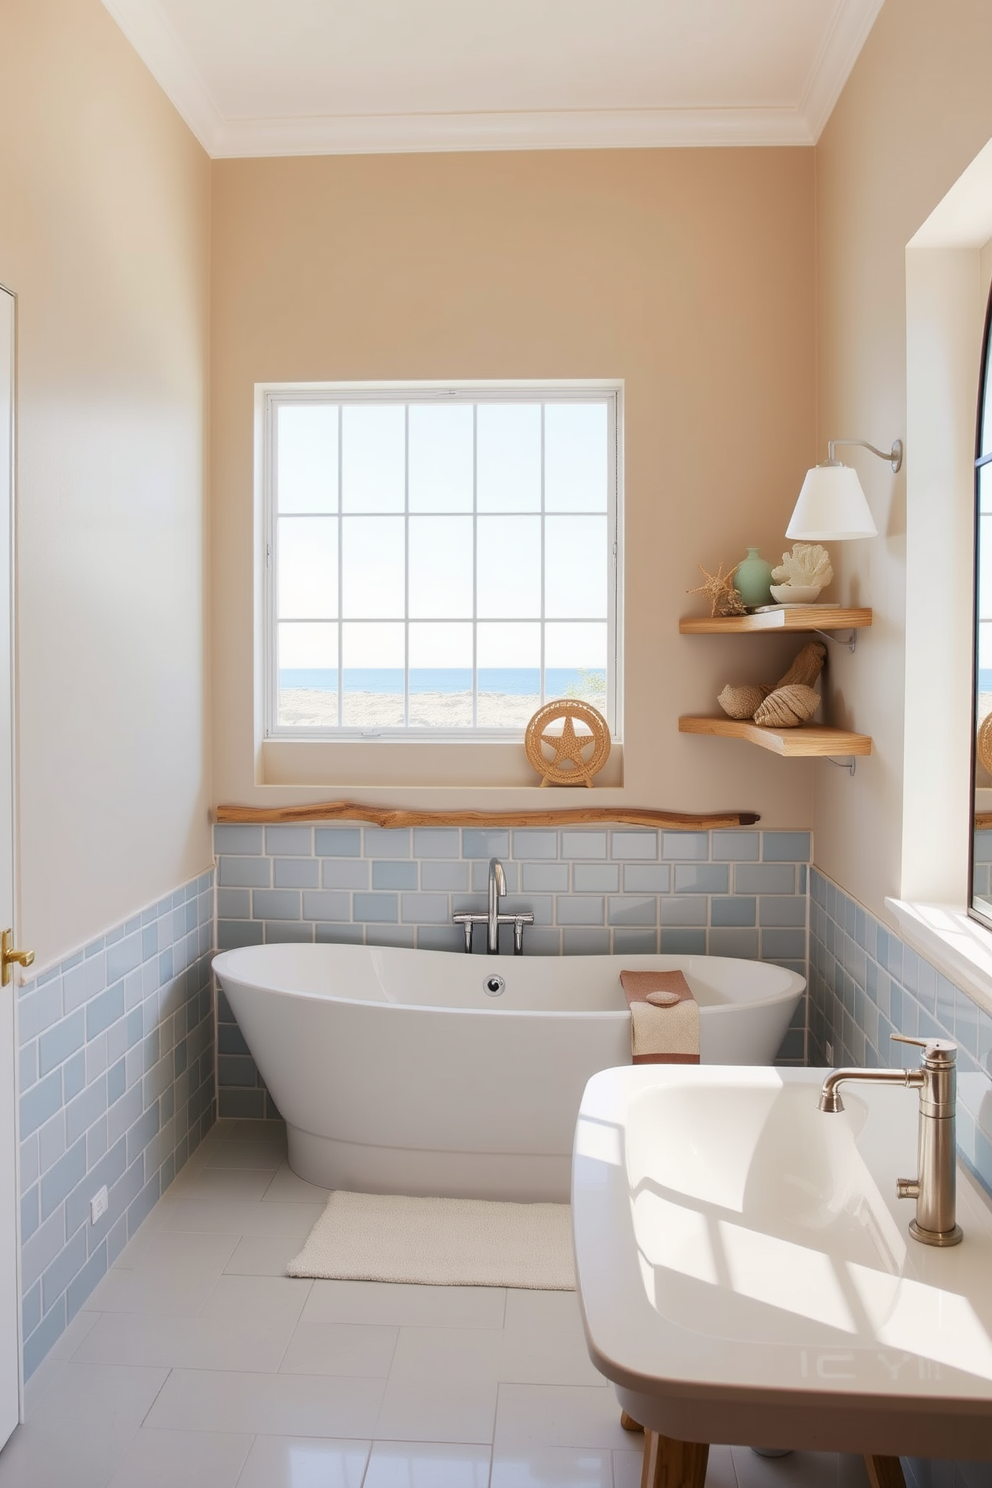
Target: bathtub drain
[493, 986]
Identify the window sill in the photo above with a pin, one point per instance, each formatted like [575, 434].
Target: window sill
[955, 944]
[431, 764]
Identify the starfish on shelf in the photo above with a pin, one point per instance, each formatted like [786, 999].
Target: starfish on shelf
[568, 745]
[719, 590]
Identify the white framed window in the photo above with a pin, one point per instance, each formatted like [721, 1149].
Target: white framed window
[439, 559]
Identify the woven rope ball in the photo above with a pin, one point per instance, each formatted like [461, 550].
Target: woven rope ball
[740, 702]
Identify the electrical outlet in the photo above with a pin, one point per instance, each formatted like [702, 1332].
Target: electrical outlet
[830, 1053]
[99, 1204]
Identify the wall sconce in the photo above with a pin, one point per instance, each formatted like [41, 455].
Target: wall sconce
[832, 504]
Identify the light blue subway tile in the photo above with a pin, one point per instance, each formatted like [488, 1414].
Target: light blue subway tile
[30, 1212]
[38, 1010]
[727, 941]
[28, 1064]
[584, 911]
[345, 873]
[542, 906]
[634, 846]
[394, 875]
[787, 910]
[733, 909]
[785, 847]
[586, 942]
[135, 1024]
[74, 991]
[57, 1043]
[596, 878]
[73, 1075]
[689, 909]
[339, 934]
[88, 1106]
[289, 842]
[631, 942]
[141, 1133]
[776, 944]
[391, 935]
[701, 878]
[485, 844]
[376, 908]
[966, 1023]
[691, 846]
[115, 1082]
[436, 842]
[328, 905]
[946, 998]
[444, 877]
[80, 1288]
[647, 878]
[761, 878]
[105, 1009]
[63, 1177]
[440, 938]
[910, 977]
[286, 932]
[123, 957]
[630, 910]
[338, 842]
[735, 847]
[541, 941]
[386, 842]
[244, 873]
[587, 845]
[230, 837]
[275, 904]
[232, 904]
[31, 1310]
[676, 942]
[528, 842]
[296, 873]
[547, 877]
[425, 909]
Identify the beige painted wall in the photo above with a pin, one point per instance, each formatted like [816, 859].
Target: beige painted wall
[104, 238]
[689, 274]
[915, 112]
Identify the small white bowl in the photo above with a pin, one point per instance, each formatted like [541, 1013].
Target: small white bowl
[795, 593]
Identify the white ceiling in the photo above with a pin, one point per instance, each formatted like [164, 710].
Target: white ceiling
[302, 77]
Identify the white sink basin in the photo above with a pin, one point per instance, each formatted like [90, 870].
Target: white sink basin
[746, 1274]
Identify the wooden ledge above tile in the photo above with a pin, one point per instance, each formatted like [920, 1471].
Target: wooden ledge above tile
[568, 816]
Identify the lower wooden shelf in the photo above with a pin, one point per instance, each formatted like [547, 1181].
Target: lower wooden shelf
[813, 739]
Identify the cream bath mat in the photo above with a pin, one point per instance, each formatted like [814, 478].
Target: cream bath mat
[440, 1242]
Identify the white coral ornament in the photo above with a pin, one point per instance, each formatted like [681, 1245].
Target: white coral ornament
[806, 567]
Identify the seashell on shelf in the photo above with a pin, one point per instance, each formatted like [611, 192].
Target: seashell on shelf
[806, 567]
[787, 707]
[740, 702]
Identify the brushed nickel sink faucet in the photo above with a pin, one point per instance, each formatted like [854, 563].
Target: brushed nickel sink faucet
[493, 919]
[934, 1188]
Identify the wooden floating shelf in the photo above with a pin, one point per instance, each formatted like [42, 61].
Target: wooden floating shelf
[812, 740]
[630, 816]
[810, 617]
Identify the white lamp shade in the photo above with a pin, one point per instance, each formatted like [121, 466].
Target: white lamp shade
[831, 506]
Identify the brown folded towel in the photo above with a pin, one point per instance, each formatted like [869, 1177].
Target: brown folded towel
[664, 1017]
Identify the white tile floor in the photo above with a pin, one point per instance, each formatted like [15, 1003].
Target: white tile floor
[198, 1363]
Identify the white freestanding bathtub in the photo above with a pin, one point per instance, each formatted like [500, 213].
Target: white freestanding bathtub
[402, 1071]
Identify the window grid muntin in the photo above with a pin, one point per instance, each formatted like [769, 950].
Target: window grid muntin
[542, 395]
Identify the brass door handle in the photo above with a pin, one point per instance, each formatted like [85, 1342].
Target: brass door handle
[8, 956]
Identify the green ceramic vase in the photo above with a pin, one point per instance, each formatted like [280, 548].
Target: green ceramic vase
[753, 580]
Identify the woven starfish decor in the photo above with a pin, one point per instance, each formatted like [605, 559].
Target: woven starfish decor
[719, 589]
[575, 757]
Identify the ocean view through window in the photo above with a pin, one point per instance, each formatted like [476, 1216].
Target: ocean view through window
[438, 560]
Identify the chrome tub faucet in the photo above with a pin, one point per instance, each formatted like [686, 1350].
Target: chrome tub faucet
[935, 1188]
[493, 919]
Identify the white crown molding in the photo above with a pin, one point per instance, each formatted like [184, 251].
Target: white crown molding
[601, 129]
[833, 63]
[146, 27]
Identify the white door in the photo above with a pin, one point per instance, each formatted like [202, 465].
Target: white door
[9, 1303]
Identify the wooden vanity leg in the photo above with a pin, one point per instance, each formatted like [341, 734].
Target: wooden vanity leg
[885, 1472]
[628, 1423]
[674, 1464]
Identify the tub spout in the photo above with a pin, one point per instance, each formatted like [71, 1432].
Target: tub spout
[493, 918]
